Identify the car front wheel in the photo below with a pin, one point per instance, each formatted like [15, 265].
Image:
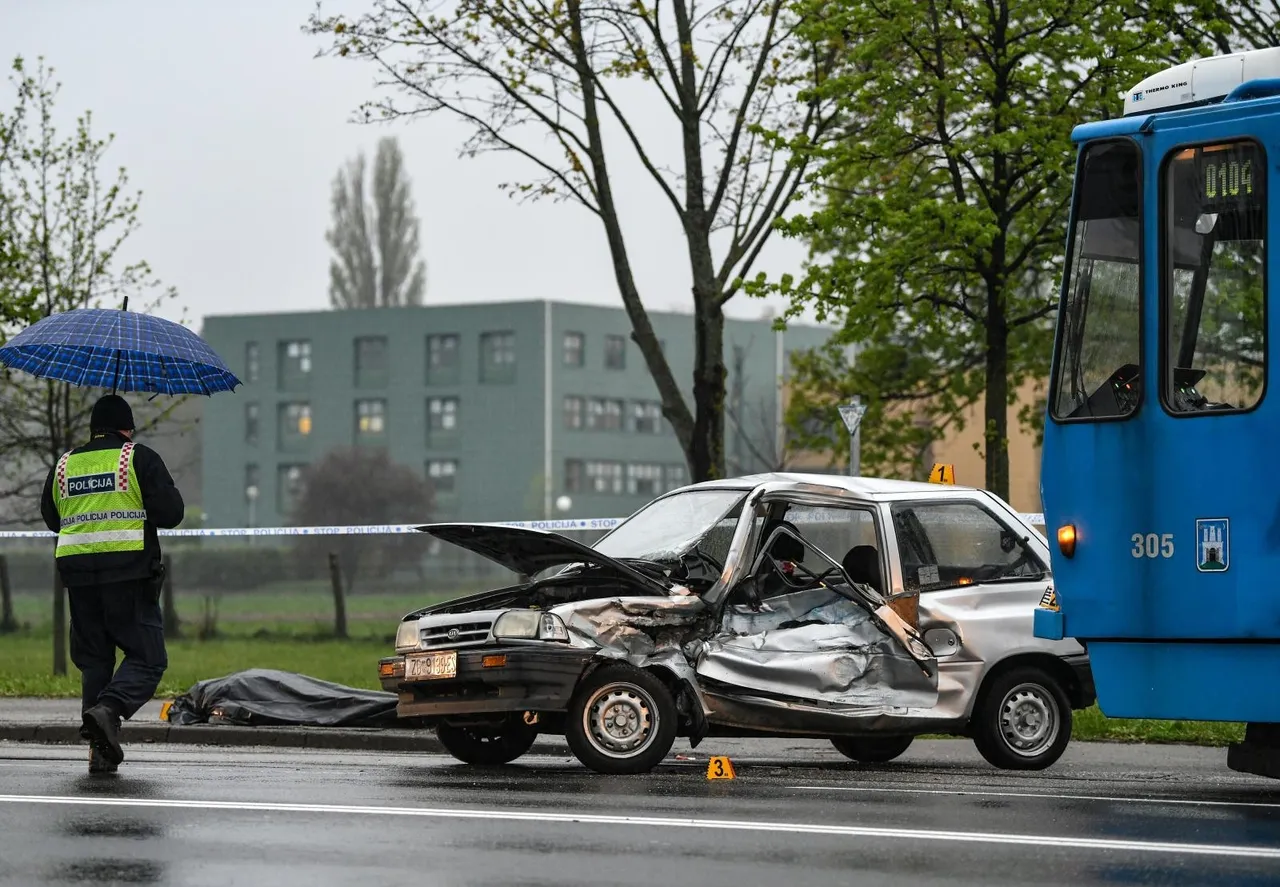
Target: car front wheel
[872, 749]
[487, 744]
[1023, 721]
[621, 720]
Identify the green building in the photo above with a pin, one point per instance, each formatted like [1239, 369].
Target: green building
[473, 397]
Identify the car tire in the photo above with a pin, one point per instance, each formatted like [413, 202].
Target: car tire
[872, 749]
[621, 720]
[487, 745]
[1022, 720]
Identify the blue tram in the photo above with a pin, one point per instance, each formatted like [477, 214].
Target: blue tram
[1161, 459]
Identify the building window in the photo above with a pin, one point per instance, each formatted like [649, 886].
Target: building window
[443, 475]
[372, 363]
[646, 417]
[295, 364]
[573, 412]
[605, 477]
[677, 476]
[574, 476]
[612, 415]
[251, 362]
[575, 349]
[294, 425]
[251, 424]
[604, 414]
[615, 352]
[442, 359]
[288, 488]
[497, 357]
[371, 420]
[644, 480]
[442, 421]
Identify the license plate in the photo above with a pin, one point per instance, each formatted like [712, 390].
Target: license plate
[429, 666]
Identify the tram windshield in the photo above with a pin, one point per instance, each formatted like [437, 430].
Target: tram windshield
[1213, 295]
[1096, 367]
[1211, 240]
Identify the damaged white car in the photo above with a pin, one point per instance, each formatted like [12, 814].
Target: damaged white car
[862, 611]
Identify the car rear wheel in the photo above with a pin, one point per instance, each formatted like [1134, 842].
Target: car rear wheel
[621, 720]
[872, 749]
[487, 744]
[1023, 720]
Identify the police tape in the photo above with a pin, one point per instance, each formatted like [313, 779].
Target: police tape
[554, 526]
[594, 523]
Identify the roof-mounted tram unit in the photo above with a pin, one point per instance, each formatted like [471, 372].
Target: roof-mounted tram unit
[1207, 81]
[1161, 462]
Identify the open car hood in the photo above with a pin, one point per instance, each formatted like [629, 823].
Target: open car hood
[531, 551]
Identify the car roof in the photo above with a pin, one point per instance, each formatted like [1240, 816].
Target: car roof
[870, 487]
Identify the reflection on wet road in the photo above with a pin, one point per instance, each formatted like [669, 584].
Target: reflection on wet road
[1105, 815]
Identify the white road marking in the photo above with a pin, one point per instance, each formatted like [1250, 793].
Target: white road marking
[850, 831]
[1053, 797]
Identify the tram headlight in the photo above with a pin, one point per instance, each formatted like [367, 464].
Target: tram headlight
[1067, 540]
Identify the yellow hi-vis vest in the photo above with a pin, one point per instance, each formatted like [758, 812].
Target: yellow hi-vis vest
[99, 502]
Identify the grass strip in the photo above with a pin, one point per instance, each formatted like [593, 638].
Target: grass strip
[26, 665]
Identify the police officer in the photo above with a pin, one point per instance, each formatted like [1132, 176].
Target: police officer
[105, 500]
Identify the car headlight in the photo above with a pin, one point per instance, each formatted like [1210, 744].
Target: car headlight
[530, 624]
[407, 635]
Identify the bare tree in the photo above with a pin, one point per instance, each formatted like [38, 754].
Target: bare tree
[375, 242]
[1223, 26]
[65, 228]
[360, 485]
[562, 84]
[15, 298]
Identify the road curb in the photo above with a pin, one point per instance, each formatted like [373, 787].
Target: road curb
[331, 738]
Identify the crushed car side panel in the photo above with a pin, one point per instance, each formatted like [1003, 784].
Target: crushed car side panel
[816, 646]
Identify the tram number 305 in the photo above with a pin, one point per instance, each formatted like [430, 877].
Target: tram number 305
[1151, 545]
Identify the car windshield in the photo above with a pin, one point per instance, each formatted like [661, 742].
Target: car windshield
[669, 527]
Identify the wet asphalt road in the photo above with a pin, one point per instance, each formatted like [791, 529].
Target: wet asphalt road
[796, 815]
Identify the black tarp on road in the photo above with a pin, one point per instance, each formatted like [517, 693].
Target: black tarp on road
[262, 697]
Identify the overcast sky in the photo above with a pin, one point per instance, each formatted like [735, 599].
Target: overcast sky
[233, 130]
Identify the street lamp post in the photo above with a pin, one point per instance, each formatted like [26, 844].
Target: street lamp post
[251, 494]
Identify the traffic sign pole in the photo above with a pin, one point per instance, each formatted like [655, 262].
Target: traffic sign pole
[851, 415]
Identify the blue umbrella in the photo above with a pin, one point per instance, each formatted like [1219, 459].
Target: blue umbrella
[120, 350]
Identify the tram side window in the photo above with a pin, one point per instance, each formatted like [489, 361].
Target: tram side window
[1214, 297]
[1098, 358]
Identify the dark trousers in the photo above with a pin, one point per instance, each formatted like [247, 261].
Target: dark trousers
[127, 616]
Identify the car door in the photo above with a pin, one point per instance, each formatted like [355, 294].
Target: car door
[979, 577]
[805, 639]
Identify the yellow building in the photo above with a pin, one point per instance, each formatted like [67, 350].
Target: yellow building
[964, 450]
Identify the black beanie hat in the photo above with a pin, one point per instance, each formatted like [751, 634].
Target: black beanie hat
[111, 413]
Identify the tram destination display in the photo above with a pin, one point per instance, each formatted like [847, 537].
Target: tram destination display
[1223, 178]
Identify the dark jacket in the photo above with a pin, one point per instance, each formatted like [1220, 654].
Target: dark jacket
[160, 498]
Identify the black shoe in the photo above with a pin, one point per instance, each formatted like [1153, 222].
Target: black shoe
[102, 729]
[98, 762]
